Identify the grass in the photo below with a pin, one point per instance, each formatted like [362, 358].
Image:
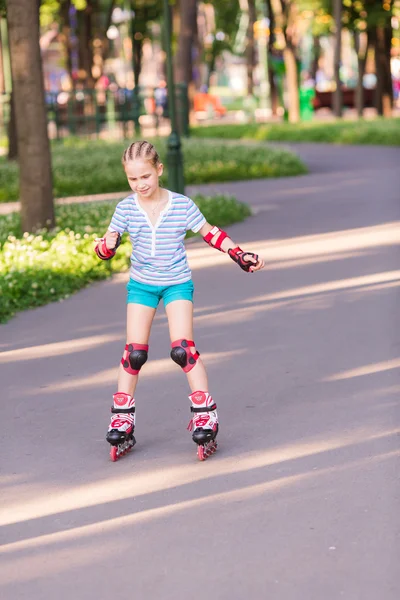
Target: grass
[82, 167]
[381, 132]
[37, 269]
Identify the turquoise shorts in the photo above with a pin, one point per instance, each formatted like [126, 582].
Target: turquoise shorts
[150, 295]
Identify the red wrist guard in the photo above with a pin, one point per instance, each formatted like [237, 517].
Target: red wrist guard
[221, 235]
[106, 253]
[238, 255]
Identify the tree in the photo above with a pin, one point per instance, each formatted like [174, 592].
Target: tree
[187, 39]
[285, 16]
[83, 25]
[337, 98]
[250, 46]
[146, 11]
[37, 206]
[222, 34]
[370, 22]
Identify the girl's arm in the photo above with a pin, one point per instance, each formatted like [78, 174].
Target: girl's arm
[106, 246]
[219, 239]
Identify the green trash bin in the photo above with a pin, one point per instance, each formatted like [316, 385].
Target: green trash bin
[306, 97]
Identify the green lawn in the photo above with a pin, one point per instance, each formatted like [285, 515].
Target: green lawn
[382, 132]
[82, 167]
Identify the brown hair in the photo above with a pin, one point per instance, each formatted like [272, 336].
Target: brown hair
[141, 150]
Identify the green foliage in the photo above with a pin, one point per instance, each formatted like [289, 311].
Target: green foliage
[360, 15]
[227, 13]
[37, 269]
[91, 167]
[50, 10]
[383, 132]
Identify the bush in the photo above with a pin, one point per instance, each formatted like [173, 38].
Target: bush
[82, 167]
[37, 269]
[379, 131]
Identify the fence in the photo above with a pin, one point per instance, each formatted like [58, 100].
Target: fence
[88, 112]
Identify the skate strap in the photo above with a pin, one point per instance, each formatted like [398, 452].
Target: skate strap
[203, 408]
[123, 411]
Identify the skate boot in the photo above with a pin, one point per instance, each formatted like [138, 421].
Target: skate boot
[204, 424]
[122, 426]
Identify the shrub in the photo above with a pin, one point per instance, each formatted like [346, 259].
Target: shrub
[82, 167]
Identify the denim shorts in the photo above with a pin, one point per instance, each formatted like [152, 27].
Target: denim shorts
[150, 295]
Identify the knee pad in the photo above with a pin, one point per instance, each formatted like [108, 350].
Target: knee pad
[134, 357]
[182, 355]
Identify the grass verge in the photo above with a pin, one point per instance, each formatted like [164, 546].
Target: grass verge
[381, 132]
[82, 167]
[38, 269]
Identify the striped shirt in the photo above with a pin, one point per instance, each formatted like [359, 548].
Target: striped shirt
[158, 252]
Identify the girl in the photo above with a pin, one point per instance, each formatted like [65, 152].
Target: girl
[157, 221]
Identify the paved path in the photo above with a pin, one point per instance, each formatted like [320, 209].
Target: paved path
[301, 501]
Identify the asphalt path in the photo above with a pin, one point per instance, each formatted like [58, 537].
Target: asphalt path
[301, 501]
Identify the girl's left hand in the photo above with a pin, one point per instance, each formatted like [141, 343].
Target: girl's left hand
[258, 264]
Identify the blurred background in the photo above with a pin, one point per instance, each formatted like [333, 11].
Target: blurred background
[235, 61]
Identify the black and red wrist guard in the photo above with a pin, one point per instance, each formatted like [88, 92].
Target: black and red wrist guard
[106, 253]
[241, 259]
[221, 235]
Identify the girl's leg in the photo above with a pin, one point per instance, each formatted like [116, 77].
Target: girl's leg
[122, 426]
[138, 326]
[180, 322]
[204, 422]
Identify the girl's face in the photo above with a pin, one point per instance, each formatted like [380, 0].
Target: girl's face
[143, 177]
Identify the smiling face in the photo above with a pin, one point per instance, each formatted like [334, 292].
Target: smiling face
[143, 177]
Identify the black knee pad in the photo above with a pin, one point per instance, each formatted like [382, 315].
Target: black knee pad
[182, 355]
[134, 357]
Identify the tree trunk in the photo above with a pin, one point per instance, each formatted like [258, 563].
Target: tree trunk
[271, 40]
[384, 99]
[285, 15]
[361, 47]
[37, 207]
[85, 48]
[12, 132]
[2, 78]
[337, 98]
[186, 41]
[315, 57]
[250, 47]
[137, 46]
[292, 82]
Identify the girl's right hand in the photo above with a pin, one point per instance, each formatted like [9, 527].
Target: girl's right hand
[111, 239]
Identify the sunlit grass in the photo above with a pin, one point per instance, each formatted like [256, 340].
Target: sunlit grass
[385, 132]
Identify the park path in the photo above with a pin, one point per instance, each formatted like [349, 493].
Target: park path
[301, 500]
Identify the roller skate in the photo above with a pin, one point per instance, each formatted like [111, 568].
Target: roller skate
[204, 424]
[120, 432]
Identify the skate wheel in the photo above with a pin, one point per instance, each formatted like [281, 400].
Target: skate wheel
[114, 453]
[200, 453]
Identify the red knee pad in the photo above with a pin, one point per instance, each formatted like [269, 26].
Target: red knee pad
[134, 357]
[182, 355]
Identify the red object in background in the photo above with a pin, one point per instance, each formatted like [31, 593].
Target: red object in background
[202, 102]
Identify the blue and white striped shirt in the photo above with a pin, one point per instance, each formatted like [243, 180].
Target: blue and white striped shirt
[158, 252]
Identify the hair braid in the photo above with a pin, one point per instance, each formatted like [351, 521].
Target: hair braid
[141, 150]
